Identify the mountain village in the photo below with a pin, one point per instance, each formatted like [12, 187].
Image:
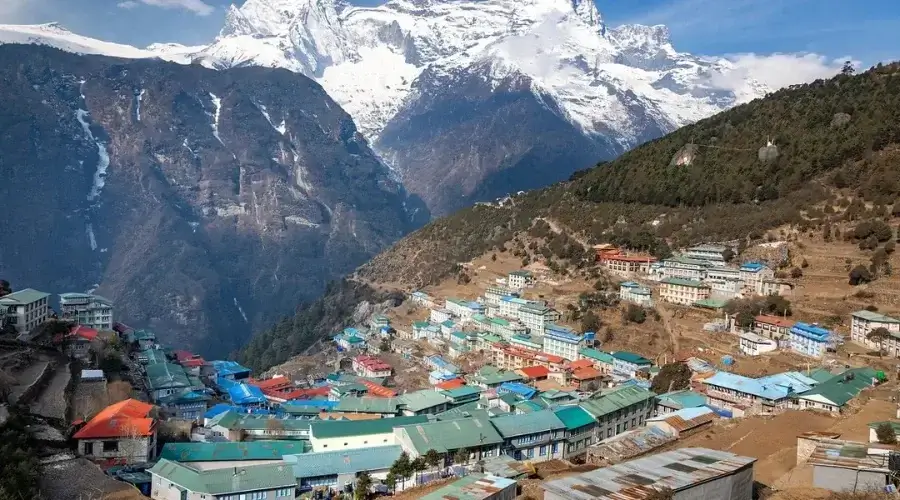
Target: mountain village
[466, 397]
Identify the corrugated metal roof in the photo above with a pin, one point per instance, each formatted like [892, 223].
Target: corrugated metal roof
[230, 451]
[447, 435]
[851, 455]
[472, 487]
[616, 399]
[528, 423]
[574, 417]
[686, 419]
[341, 428]
[329, 463]
[225, 481]
[677, 469]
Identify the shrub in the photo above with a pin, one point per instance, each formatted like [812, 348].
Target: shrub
[886, 434]
[635, 314]
[673, 376]
[859, 275]
[796, 273]
[804, 264]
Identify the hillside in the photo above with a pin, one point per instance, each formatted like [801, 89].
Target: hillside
[837, 142]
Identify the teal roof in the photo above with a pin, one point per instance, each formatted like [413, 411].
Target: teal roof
[596, 355]
[574, 417]
[231, 451]
[422, 400]
[684, 282]
[330, 463]
[683, 399]
[710, 303]
[367, 405]
[24, 296]
[529, 423]
[225, 481]
[496, 378]
[874, 316]
[233, 420]
[153, 356]
[616, 399]
[530, 406]
[462, 392]
[447, 435]
[473, 487]
[820, 374]
[346, 428]
[421, 324]
[166, 375]
[630, 357]
[840, 389]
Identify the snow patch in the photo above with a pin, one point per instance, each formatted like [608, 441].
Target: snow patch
[240, 310]
[102, 163]
[300, 221]
[299, 174]
[89, 229]
[217, 107]
[230, 210]
[281, 129]
[137, 109]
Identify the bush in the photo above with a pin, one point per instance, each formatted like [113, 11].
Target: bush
[804, 264]
[590, 322]
[671, 377]
[796, 273]
[635, 314]
[890, 247]
[885, 433]
[859, 275]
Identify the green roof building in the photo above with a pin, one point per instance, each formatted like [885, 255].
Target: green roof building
[679, 400]
[535, 436]
[164, 379]
[597, 356]
[424, 402]
[490, 377]
[232, 451]
[337, 468]
[381, 406]
[269, 481]
[837, 391]
[473, 434]
[328, 429]
[621, 409]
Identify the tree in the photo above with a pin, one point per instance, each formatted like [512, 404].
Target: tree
[878, 335]
[385, 345]
[671, 377]
[391, 481]
[418, 465]
[402, 467]
[635, 314]
[796, 273]
[728, 254]
[859, 275]
[5, 288]
[363, 485]
[885, 433]
[590, 322]
[461, 456]
[494, 257]
[804, 264]
[432, 458]
[848, 68]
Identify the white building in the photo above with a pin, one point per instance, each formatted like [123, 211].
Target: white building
[537, 316]
[518, 280]
[438, 316]
[725, 289]
[683, 291]
[509, 306]
[630, 291]
[463, 309]
[86, 309]
[26, 309]
[752, 344]
[683, 267]
[723, 273]
[493, 295]
[714, 254]
[754, 273]
[563, 342]
[863, 322]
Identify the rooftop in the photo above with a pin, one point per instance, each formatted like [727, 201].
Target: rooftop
[813, 332]
[231, 451]
[24, 296]
[472, 487]
[447, 435]
[574, 417]
[327, 463]
[534, 371]
[630, 357]
[851, 455]
[596, 355]
[683, 399]
[677, 470]
[775, 320]
[422, 400]
[687, 418]
[125, 418]
[530, 423]
[352, 404]
[684, 282]
[166, 375]
[874, 316]
[343, 428]
[224, 481]
[616, 399]
[840, 389]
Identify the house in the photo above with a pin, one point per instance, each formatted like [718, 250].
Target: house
[447, 437]
[810, 340]
[562, 341]
[521, 390]
[580, 426]
[863, 322]
[476, 487]
[843, 466]
[509, 306]
[535, 436]
[587, 378]
[620, 409]
[683, 291]
[714, 254]
[447, 328]
[424, 402]
[752, 344]
[379, 321]
[461, 395]
[230, 370]
[754, 273]
[85, 309]
[602, 361]
[629, 291]
[246, 395]
[512, 358]
[421, 298]
[528, 342]
[834, 394]
[724, 289]
[347, 341]
[533, 373]
[773, 327]
[178, 481]
[463, 309]
[691, 473]
[145, 339]
[684, 268]
[684, 421]
[766, 395]
[493, 294]
[24, 310]
[723, 273]
[537, 316]
[165, 379]
[628, 364]
[490, 377]
[438, 316]
[371, 366]
[121, 433]
[520, 279]
[187, 405]
[234, 426]
[78, 342]
[226, 454]
[774, 287]
[331, 435]
[92, 376]
[671, 402]
[626, 265]
[338, 468]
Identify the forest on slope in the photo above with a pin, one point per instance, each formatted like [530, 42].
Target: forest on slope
[831, 136]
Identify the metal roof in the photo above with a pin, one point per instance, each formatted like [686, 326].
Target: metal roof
[228, 480]
[682, 399]
[342, 428]
[331, 463]
[352, 404]
[874, 316]
[527, 423]
[842, 388]
[472, 487]
[24, 296]
[851, 455]
[422, 400]
[636, 479]
[687, 418]
[447, 435]
[616, 399]
[574, 417]
[231, 451]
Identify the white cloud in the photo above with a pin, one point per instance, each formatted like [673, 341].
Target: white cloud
[198, 7]
[775, 71]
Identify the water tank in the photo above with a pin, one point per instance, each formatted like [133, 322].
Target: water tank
[727, 360]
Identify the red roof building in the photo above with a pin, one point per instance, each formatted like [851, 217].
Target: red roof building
[313, 393]
[581, 363]
[376, 390]
[124, 431]
[371, 366]
[772, 327]
[622, 263]
[453, 383]
[534, 372]
[274, 384]
[508, 357]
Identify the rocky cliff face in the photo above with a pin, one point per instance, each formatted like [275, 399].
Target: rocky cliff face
[204, 203]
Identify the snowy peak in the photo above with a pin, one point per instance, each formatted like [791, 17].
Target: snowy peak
[587, 11]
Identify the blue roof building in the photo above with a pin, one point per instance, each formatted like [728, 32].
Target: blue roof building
[763, 395]
[245, 395]
[517, 388]
[231, 370]
[810, 340]
[752, 267]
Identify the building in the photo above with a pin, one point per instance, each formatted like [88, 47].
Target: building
[234, 426]
[850, 466]
[85, 309]
[810, 340]
[603, 361]
[618, 410]
[671, 402]
[424, 402]
[438, 316]
[493, 295]
[834, 394]
[752, 344]
[422, 299]
[723, 273]
[476, 487]
[630, 291]
[178, 481]
[563, 342]
[683, 422]
[490, 377]
[508, 357]
[628, 364]
[724, 289]
[754, 273]
[774, 287]
[371, 366]
[714, 254]
[747, 396]
[537, 316]
[463, 309]
[331, 435]
[509, 306]
[685, 268]
[683, 291]
[580, 429]
[626, 265]
[165, 379]
[26, 309]
[78, 342]
[121, 433]
[535, 436]
[231, 370]
[447, 437]
[381, 407]
[533, 373]
[336, 469]
[691, 474]
[518, 280]
[773, 327]
[226, 454]
[863, 322]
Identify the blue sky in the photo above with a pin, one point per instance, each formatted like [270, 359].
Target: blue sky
[866, 31]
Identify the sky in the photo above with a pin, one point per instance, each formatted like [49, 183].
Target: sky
[820, 31]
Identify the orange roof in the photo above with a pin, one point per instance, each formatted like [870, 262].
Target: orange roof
[123, 419]
[627, 258]
[587, 373]
[775, 320]
[303, 393]
[378, 390]
[534, 371]
[83, 332]
[272, 384]
[581, 363]
[453, 383]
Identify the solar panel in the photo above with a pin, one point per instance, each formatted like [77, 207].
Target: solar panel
[680, 467]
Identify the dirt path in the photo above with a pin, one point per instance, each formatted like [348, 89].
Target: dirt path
[51, 403]
[666, 316]
[556, 228]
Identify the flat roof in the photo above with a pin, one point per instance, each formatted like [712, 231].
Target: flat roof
[677, 470]
[472, 487]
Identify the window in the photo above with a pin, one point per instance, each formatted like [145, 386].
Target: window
[284, 493]
[110, 446]
[555, 448]
[543, 450]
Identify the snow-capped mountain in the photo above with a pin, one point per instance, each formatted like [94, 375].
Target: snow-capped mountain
[539, 76]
